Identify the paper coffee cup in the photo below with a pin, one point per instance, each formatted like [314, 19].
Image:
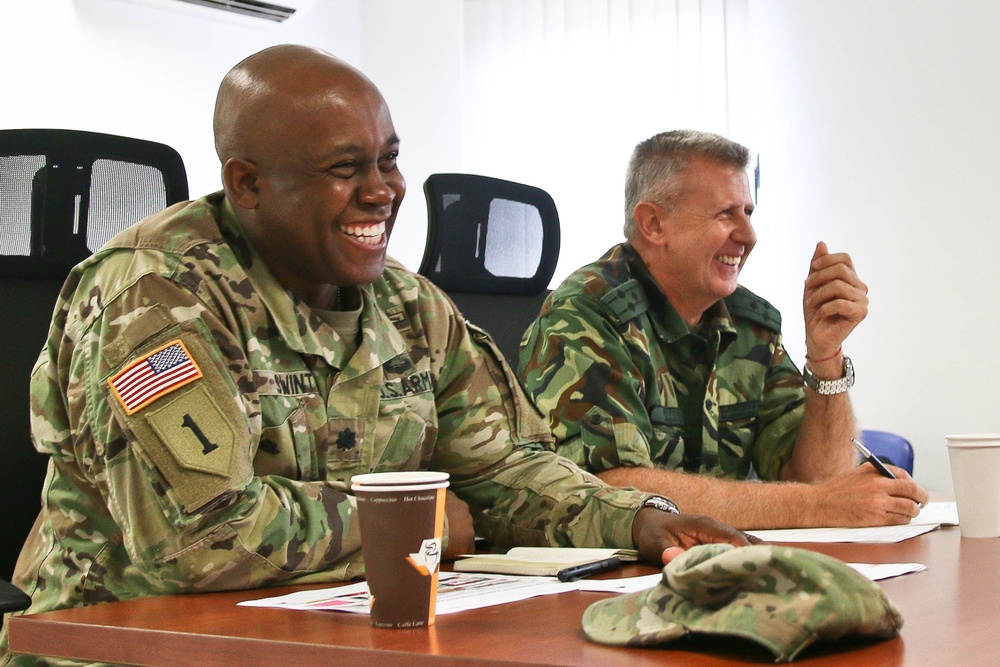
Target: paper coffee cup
[975, 473]
[401, 517]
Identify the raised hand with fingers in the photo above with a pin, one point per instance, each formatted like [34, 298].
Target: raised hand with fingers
[835, 301]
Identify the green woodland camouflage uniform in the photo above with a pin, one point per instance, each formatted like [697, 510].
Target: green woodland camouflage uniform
[626, 383]
[237, 479]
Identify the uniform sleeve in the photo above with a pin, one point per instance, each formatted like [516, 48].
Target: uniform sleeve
[493, 442]
[581, 373]
[779, 416]
[162, 399]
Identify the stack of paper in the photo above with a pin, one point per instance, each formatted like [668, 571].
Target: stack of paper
[932, 516]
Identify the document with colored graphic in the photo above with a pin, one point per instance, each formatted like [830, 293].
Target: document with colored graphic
[457, 591]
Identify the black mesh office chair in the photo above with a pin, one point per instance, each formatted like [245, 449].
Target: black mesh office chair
[63, 194]
[492, 245]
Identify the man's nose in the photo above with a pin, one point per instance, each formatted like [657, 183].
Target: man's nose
[744, 232]
[376, 188]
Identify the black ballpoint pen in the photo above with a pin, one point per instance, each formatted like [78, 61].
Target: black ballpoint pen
[871, 458]
[575, 572]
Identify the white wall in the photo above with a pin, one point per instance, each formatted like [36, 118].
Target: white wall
[877, 126]
[413, 52]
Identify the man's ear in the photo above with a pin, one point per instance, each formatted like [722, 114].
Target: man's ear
[240, 179]
[650, 221]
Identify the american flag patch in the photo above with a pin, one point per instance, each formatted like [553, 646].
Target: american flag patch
[155, 375]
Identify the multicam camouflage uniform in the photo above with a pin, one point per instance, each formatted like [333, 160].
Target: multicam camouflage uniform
[626, 383]
[782, 597]
[236, 478]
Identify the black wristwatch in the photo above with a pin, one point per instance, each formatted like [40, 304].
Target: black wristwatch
[830, 387]
[661, 503]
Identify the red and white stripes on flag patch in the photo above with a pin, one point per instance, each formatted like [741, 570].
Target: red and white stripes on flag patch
[155, 375]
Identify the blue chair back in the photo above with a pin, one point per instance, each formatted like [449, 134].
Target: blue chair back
[890, 448]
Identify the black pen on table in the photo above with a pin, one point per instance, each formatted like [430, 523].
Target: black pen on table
[874, 460]
[574, 572]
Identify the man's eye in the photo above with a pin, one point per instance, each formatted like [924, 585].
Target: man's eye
[344, 169]
[388, 163]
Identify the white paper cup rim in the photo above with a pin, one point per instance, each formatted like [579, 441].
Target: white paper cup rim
[430, 486]
[973, 440]
[401, 478]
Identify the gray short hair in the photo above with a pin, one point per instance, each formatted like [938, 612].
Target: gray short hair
[656, 162]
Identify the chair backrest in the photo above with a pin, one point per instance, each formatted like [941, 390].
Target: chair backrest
[492, 245]
[63, 194]
[890, 448]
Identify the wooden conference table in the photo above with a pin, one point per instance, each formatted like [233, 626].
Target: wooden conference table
[951, 611]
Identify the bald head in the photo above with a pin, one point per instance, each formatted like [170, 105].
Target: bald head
[263, 99]
[309, 153]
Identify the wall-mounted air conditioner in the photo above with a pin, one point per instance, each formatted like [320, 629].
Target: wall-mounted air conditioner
[244, 11]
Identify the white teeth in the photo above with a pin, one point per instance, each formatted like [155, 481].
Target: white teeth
[726, 259]
[369, 234]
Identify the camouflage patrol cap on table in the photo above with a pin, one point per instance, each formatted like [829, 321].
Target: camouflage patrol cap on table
[781, 597]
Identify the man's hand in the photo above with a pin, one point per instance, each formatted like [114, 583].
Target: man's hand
[834, 302]
[863, 497]
[660, 536]
[461, 534]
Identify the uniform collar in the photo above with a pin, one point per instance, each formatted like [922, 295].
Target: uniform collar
[667, 322]
[303, 330]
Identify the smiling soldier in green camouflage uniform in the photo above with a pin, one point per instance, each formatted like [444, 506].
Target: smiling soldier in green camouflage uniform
[740, 409]
[216, 375]
[658, 371]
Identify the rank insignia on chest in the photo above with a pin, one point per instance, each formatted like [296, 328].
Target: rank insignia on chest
[346, 439]
[154, 375]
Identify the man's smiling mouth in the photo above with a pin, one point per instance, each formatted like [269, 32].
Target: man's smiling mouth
[731, 260]
[367, 234]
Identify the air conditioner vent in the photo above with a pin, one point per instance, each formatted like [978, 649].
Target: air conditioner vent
[255, 8]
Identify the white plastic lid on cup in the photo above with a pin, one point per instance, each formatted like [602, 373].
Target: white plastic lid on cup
[402, 480]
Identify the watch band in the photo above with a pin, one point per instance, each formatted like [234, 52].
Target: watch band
[661, 503]
[830, 387]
